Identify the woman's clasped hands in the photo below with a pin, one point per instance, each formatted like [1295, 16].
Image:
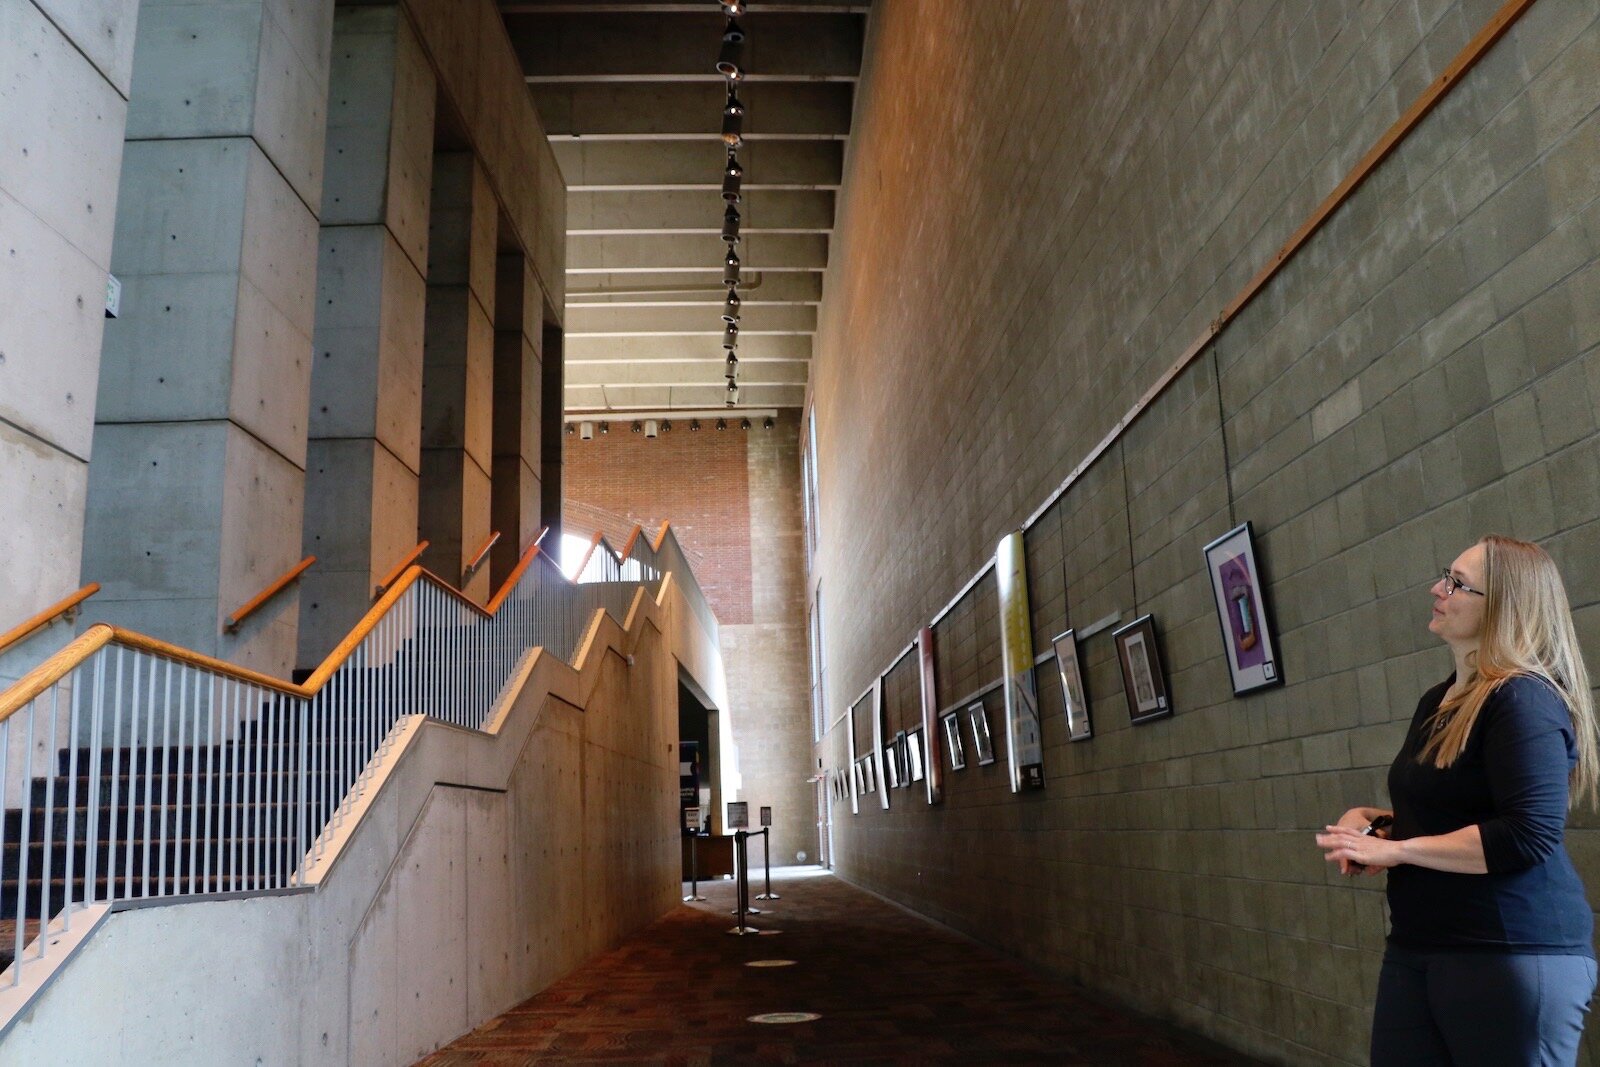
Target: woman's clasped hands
[1359, 842]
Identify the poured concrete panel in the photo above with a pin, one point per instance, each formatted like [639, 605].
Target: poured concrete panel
[102, 30]
[48, 487]
[263, 500]
[63, 127]
[453, 515]
[458, 374]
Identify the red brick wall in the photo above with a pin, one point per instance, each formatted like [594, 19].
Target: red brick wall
[698, 481]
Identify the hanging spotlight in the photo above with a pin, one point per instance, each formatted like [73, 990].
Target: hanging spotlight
[730, 225]
[744, 424]
[733, 121]
[730, 336]
[571, 429]
[666, 425]
[768, 424]
[730, 61]
[694, 425]
[732, 179]
[730, 270]
[638, 427]
[731, 8]
[733, 392]
[722, 424]
[730, 307]
[650, 428]
[605, 428]
[586, 431]
[733, 366]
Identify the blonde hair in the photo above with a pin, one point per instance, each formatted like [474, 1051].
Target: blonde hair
[1527, 630]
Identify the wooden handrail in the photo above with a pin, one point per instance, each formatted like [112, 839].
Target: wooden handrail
[47, 616]
[594, 542]
[232, 623]
[633, 536]
[661, 537]
[398, 569]
[478, 557]
[515, 576]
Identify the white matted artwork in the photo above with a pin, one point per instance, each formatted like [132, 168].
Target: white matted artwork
[981, 741]
[914, 754]
[953, 743]
[1142, 677]
[1074, 704]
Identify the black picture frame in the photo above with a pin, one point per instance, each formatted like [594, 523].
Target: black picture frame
[1143, 680]
[1074, 698]
[914, 755]
[982, 740]
[1244, 615]
[953, 744]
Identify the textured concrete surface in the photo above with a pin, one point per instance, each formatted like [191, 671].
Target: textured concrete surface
[1422, 373]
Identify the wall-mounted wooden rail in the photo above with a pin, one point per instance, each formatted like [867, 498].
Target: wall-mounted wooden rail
[478, 557]
[594, 543]
[284, 581]
[67, 607]
[398, 569]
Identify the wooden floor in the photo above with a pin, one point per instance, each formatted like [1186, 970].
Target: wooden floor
[889, 988]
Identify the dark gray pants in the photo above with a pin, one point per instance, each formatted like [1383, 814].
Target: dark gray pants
[1460, 1008]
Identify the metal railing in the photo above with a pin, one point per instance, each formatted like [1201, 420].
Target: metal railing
[136, 769]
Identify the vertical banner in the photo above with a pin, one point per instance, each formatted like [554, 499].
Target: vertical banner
[1024, 744]
[877, 740]
[932, 740]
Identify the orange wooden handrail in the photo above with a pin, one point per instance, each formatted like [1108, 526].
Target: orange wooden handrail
[398, 569]
[233, 622]
[594, 543]
[515, 576]
[47, 616]
[633, 536]
[661, 536]
[478, 557]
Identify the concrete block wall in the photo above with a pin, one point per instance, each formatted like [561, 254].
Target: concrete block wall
[1423, 372]
[733, 498]
[64, 107]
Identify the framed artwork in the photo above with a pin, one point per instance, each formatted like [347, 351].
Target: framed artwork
[1142, 678]
[1074, 704]
[1247, 634]
[866, 774]
[953, 744]
[891, 762]
[981, 740]
[914, 755]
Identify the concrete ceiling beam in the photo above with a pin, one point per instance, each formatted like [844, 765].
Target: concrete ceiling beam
[772, 109]
[617, 401]
[651, 290]
[791, 347]
[697, 164]
[700, 372]
[694, 252]
[783, 210]
[583, 45]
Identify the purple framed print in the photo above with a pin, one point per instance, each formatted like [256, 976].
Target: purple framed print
[1247, 634]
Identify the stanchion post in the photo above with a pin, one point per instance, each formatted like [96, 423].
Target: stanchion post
[694, 869]
[741, 889]
[766, 856]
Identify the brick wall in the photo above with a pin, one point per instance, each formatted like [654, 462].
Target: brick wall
[1044, 204]
[733, 498]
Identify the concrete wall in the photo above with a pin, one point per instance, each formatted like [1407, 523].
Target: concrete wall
[486, 867]
[733, 498]
[64, 107]
[1043, 206]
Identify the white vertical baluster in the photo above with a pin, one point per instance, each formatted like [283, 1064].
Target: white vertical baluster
[50, 810]
[24, 838]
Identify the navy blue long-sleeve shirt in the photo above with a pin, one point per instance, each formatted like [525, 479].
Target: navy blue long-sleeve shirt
[1511, 781]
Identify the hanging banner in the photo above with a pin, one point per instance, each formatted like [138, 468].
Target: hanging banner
[1024, 744]
[930, 717]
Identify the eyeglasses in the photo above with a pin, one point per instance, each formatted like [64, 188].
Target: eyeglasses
[1452, 583]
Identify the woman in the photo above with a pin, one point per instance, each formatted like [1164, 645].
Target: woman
[1490, 957]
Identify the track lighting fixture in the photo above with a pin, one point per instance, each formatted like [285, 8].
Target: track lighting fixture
[586, 431]
[730, 274]
[571, 429]
[733, 121]
[650, 428]
[605, 428]
[694, 425]
[722, 424]
[768, 424]
[733, 392]
[730, 225]
[730, 336]
[732, 179]
[666, 425]
[731, 8]
[730, 60]
[638, 427]
[730, 307]
[744, 424]
[732, 370]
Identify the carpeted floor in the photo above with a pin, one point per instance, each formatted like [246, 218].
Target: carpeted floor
[888, 987]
